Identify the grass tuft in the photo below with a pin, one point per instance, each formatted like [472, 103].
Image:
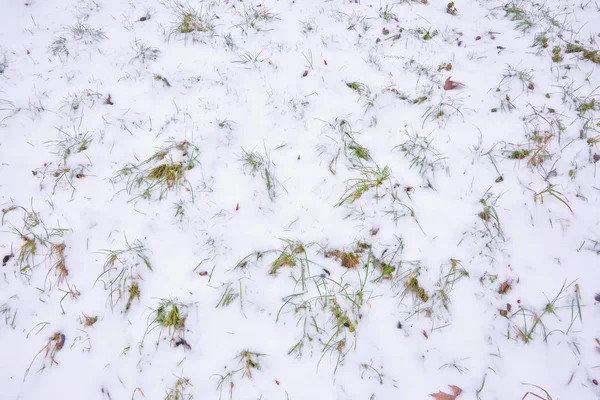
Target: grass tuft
[161, 172]
[261, 164]
[372, 178]
[168, 315]
[190, 20]
[249, 360]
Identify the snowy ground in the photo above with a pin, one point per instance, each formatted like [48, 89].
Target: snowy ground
[281, 200]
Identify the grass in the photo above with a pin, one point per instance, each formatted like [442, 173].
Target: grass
[123, 268]
[358, 87]
[250, 362]
[260, 163]
[229, 295]
[442, 111]
[255, 17]
[413, 287]
[524, 76]
[422, 155]
[519, 154]
[354, 152]
[58, 47]
[248, 57]
[586, 106]
[342, 300]
[161, 172]
[372, 178]
[168, 315]
[86, 34]
[455, 272]
[524, 19]
[526, 321]
[54, 345]
[57, 251]
[178, 391]
[451, 9]
[292, 254]
[144, 52]
[189, 20]
[74, 143]
[160, 78]
[368, 368]
[587, 54]
[133, 293]
[3, 64]
[386, 13]
[490, 218]
[39, 245]
[554, 193]
[343, 325]
[535, 395]
[557, 56]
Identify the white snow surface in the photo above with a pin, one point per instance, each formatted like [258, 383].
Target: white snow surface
[457, 269]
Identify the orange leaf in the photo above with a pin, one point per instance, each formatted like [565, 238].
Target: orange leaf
[445, 396]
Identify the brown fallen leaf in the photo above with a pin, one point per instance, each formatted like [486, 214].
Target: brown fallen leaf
[505, 287]
[445, 396]
[450, 84]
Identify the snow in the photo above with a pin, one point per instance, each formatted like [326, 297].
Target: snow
[475, 252]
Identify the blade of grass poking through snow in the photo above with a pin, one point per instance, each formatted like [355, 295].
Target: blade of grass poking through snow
[260, 164]
[229, 295]
[372, 178]
[554, 193]
[161, 172]
[169, 315]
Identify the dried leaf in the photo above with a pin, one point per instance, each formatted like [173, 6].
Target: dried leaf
[504, 287]
[350, 260]
[445, 396]
[450, 84]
